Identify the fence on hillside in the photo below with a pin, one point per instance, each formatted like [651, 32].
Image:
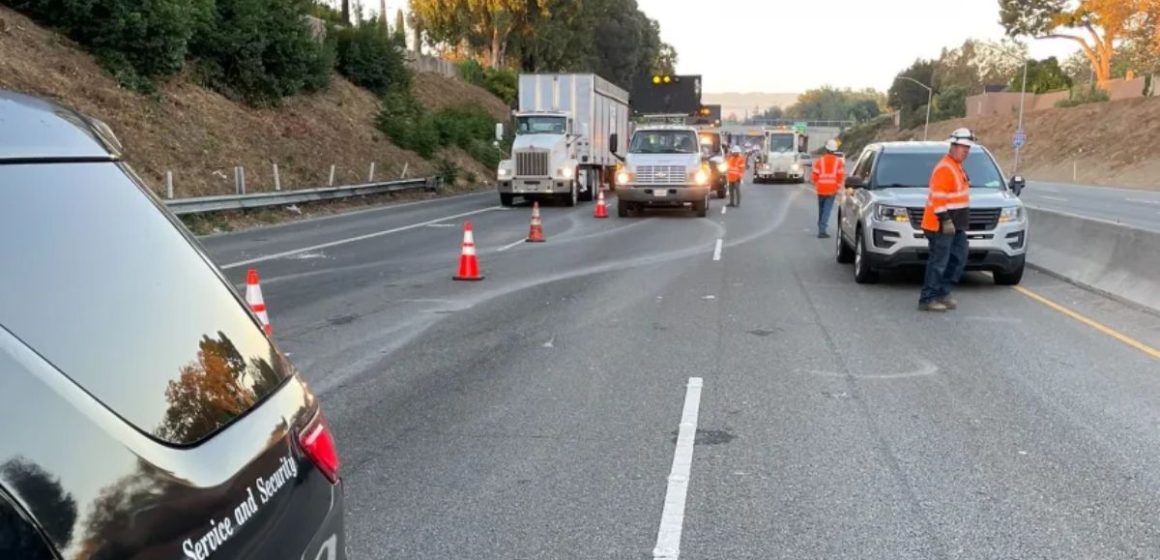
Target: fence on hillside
[1007, 102]
[431, 65]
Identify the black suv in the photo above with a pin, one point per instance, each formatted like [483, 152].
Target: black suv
[148, 414]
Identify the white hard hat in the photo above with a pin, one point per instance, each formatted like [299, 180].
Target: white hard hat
[963, 137]
[735, 150]
[831, 145]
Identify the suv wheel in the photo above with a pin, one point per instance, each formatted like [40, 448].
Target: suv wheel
[863, 272]
[1009, 278]
[845, 254]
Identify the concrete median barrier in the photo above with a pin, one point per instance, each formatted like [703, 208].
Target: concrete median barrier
[1119, 260]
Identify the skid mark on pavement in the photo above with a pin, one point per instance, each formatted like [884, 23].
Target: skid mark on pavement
[924, 369]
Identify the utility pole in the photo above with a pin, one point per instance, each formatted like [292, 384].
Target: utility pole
[1022, 97]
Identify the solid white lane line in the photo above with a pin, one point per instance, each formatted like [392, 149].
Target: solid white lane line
[1142, 201]
[724, 208]
[673, 516]
[354, 239]
[1056, 198]
[717, 249]
[510, 245]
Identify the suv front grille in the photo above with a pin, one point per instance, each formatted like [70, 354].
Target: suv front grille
[660, 175]
[532, 164]
[982, 219]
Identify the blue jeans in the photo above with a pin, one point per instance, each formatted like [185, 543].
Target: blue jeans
[825, 206]
[948, 259]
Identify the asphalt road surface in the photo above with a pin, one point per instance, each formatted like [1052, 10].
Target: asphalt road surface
[1136, 208]
[539, 413]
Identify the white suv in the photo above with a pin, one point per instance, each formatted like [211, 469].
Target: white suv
[880, 212]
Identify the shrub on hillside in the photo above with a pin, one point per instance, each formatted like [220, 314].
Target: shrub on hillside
[502, 83]
[136, 40]
[486, 153]
[1084, 94]
[460, 125]
[369, 56]
[471, 72]
[858, 136]
[261, 50]
[447, 171]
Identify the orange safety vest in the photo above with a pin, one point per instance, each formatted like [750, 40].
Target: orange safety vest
[829, 174]
[949, 190]
[736, 168]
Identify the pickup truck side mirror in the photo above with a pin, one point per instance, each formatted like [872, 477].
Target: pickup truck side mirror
[855, 183]
[499, 132]
[1018, 184]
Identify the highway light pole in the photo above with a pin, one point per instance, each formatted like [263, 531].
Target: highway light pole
[1022, 97]
[929, 99]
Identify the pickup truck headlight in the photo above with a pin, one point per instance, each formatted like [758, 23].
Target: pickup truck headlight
[623, 177]
[892, 214]
[701, 177]
[1012, 214]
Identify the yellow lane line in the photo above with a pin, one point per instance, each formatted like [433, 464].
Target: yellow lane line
[1091, 323]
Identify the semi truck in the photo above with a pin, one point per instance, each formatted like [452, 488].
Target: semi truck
[561, 149]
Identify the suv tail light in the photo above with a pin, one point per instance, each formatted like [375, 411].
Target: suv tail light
[318, 444]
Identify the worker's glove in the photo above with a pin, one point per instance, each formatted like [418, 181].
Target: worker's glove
[948, 227]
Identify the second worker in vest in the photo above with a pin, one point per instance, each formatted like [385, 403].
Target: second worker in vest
[737, 163]
[944, 222]
[828, 175]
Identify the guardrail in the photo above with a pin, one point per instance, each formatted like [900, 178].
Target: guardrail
[182, 206]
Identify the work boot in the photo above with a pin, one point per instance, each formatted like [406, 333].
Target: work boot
[935, 305]
[949, 302]
[823, 235]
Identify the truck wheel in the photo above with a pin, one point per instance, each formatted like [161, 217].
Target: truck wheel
[572, 197]
[621, 209]
[863, 272]
[702, 207]
[506, 199]
[590, 181]
[1009, 278]
[845, 254]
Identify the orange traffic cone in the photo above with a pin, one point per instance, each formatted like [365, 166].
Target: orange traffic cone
[468, 261]
[255, 301]
[536, 233]
[601, 207]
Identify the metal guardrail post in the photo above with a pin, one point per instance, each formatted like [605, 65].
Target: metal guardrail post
[277, 179]
[331, 182]
[371, 175]
[169, 185]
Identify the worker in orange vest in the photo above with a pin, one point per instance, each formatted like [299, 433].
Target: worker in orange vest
[737, 163]
[944, 222]
[828, 175]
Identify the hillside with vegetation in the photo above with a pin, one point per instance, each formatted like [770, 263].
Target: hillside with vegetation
[199, 118]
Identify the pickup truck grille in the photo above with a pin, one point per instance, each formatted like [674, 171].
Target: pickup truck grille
[661, 175]
[532, 164]
[982, 219]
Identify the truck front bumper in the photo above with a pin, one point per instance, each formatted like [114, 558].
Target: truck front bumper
[535, 185]
[662, 195]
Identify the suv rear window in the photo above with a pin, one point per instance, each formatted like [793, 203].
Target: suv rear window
[101, 284]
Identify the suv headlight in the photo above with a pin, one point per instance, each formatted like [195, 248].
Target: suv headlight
[892, 213]
[1012, 214]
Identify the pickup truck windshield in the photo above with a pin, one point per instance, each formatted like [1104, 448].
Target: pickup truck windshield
[664, 142]
[540, 125]
[780, 143]
[902, 170]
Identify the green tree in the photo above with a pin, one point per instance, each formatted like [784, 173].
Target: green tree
[371, 58]
[1096, 25]
[908, 97]
[400, 30]
[1042, 76]
[487, 25]
[950, 103]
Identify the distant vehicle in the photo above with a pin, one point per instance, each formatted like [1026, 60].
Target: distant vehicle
[880, 223]
[149, 415]
[713, 154]
[663, 168]
[785, 157]
[560, 149]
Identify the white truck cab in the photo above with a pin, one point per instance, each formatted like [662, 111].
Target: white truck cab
[663, 168]
[784, 157]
